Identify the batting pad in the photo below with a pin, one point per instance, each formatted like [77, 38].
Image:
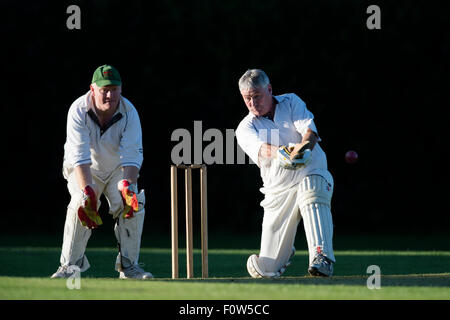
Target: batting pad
[128, 234]
[314, 200]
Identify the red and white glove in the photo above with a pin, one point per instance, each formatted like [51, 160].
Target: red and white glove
[87, 212]
[128, 192]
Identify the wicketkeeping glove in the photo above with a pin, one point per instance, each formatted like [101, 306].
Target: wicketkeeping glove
[87, 212]
[128, 193]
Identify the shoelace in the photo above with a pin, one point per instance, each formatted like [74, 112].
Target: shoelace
[136, 268]
[320, 259]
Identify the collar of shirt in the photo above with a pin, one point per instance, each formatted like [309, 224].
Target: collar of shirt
[120, 112]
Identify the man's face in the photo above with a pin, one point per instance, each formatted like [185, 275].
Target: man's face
[259, 100]
[106, 98]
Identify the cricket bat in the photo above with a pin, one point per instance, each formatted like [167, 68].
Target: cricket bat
[299, 148]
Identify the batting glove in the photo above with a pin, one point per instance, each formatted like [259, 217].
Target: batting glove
[87, 212]
[128, 193]
[300, 161]
[284, 157]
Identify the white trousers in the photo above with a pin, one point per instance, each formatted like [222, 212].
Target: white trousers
[310, 200]
[128, 231]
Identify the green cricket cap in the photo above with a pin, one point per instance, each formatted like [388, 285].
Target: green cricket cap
[106, 75]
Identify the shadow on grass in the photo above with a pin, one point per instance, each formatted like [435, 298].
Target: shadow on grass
[397, 269]
[425, 280]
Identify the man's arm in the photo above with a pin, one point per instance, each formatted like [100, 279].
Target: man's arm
[309, 141]
[130, 148]
[270, 151]
[83, 175]
[311, 137]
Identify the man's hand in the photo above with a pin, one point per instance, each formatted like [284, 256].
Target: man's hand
[288, 161]
[128, 192]
[87, 212]
[284, 157]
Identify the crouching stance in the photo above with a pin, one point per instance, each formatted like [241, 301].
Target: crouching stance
[103, 155]
[279, 135]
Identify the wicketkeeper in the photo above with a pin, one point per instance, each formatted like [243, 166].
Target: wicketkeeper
[103, 155]
[280, 136]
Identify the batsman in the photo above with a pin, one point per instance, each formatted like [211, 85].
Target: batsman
[103, 155]
[280, 136]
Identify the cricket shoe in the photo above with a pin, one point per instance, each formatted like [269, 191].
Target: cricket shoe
[135, 272]
[66, 272]
[321, 266]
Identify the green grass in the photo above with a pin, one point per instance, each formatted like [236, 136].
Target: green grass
[406, 274]
[339, 287]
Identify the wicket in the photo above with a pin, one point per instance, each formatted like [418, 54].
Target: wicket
[174, 217]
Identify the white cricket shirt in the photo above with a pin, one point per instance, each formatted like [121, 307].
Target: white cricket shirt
[117, 144]
[291, 121]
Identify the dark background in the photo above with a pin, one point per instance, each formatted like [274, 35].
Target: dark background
[382, 93]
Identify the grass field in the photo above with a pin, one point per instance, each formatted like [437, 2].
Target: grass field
[422, 274]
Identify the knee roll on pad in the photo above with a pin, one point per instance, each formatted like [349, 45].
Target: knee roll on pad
[314, 189]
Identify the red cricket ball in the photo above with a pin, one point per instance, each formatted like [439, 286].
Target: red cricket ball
[351, 157]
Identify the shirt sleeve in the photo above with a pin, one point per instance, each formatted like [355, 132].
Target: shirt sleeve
[302, 118]
[130, 149]
[249, 140]
[78, 140]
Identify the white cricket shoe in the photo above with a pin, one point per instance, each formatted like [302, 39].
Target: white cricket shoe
[135, 272]
[65, 272]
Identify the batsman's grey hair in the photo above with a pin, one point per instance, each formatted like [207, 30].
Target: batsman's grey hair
[253, 79]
